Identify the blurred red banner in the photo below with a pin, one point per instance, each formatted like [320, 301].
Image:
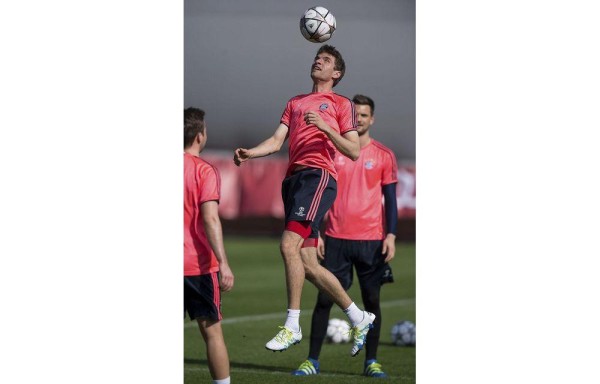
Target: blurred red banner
[254, 188]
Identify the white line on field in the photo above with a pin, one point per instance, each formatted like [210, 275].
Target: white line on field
[282, 314]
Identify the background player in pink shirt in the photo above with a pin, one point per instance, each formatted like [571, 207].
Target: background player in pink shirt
[203, 250]
[318, 124]
[360, 233]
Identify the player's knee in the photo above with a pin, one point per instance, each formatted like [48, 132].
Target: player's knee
[288, 249]
[210, 329]
[290, 244]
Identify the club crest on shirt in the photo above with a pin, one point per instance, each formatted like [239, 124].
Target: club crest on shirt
[323, 107]
[300, 212]
[341, 160]
[369, 164]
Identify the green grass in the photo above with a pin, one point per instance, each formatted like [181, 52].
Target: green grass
[260, 290]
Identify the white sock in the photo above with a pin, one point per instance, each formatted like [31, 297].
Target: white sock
[355, 315]
[293, 320]
[222, 381]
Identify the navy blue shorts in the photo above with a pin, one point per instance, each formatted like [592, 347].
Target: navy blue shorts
[307, 195]
[202, 296]
[364, 255]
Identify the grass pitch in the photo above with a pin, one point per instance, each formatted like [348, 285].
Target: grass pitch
[256, 306]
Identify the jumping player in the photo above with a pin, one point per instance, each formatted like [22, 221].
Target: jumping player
[359, 233]
[206, 270]
[317, 124]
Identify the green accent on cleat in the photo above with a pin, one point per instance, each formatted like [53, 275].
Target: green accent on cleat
[373, 369]
[284, 339]
[358, 333]
[308, 367]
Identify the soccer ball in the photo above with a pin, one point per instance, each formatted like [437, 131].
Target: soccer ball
[317, 24]
[404, 333]
[338, 331]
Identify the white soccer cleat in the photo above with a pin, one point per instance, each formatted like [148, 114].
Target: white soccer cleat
[284, 339]
[359, 332]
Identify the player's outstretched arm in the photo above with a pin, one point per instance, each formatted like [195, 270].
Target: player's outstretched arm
[347, 144]
[214, 233]
[267, 147]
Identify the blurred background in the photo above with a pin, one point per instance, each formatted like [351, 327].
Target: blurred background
[243, 60]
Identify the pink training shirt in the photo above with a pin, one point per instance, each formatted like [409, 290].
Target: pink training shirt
[201, 183]
[357, 212]
[308, 145]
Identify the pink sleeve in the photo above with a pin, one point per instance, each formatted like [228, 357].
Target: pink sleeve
[287, 113]
[210, 186]
[346, 116]
[390, 168]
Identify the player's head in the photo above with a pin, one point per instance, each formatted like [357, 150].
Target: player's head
[328, 63]
[365, 111]
[194, 128]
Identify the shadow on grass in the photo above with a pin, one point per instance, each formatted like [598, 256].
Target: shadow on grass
[390, 344]
[234, 364]
[266, 368]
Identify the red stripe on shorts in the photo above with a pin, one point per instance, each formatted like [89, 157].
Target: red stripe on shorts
[216, 294]
[314, 206]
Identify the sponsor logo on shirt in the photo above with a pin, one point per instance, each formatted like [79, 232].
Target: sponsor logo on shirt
[323, 107]
[300, 212]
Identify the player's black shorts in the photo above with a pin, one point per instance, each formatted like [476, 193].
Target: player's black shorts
[202, 296]
[365, 255]
[307, 195]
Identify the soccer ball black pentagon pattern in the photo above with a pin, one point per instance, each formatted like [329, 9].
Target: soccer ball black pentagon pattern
[404, 333]
[317, 24]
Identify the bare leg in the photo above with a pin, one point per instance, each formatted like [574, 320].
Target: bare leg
[216, 351]
[294, 270]
[324, 280]
[290, 333]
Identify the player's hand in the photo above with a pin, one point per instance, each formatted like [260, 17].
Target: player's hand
[227, 278]
[389, 247]
[312, 117]
[240, 155]
[320, 248]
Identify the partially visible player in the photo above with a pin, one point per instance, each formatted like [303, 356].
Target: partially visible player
[359, 233]
[317, 124]
[206, 270]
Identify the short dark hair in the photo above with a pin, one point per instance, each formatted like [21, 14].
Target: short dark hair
[340, 65]
[193, 124]
[364, 100]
